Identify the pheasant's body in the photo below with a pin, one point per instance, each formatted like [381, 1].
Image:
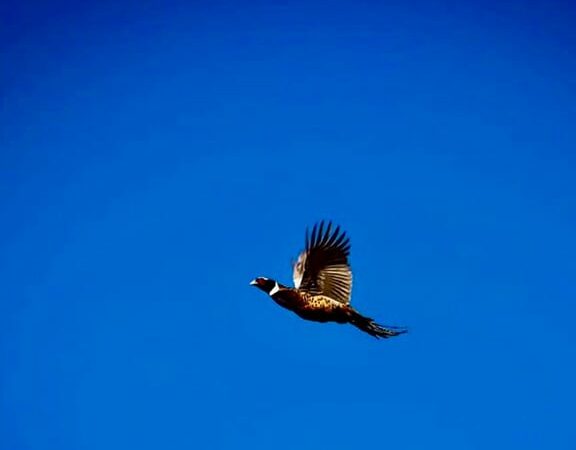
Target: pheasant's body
[323, 284]
[317, 308]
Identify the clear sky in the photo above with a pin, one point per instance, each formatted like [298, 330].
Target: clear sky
[157, 156]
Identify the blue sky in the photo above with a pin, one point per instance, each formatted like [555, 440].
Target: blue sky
[155, 157]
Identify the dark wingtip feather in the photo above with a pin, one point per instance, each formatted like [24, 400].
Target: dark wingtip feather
[335, 235]
[320, 233]
[312, 237]
[326, 234]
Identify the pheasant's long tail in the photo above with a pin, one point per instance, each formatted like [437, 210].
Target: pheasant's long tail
[372, 328]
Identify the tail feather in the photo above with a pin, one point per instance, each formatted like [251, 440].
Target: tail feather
[372, 328]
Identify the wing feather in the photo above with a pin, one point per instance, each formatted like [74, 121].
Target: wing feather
[323, 267]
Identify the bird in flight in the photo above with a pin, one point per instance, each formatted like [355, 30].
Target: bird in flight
[323, 283]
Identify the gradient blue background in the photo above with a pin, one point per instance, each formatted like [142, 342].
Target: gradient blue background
[155, 157]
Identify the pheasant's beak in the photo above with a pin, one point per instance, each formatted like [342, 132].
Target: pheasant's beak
[253, 283]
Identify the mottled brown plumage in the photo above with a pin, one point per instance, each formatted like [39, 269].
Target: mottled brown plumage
[323, 283]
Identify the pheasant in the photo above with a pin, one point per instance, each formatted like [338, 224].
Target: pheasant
[323, 283]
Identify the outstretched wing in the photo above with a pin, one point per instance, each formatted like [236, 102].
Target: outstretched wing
[323, 268]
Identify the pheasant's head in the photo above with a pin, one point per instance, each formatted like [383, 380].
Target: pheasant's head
[264, 284]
